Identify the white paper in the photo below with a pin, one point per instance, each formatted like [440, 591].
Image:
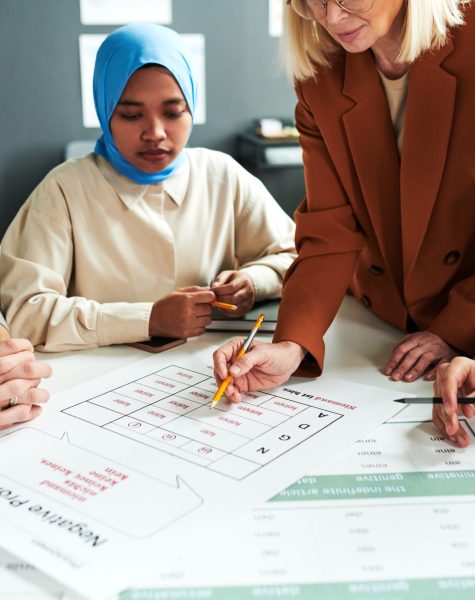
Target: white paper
[127, 471]
[21, 581]
[117, 12]
[88, 47]
[393, 513]
[275, 17]
[296, 543]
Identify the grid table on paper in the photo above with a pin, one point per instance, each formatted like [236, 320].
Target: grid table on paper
[170, 411]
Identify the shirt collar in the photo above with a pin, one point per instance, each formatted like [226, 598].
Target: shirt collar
[131, 192]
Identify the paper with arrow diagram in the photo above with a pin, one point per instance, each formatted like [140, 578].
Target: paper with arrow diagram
[133, 469]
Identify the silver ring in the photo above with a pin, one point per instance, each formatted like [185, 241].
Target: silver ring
[13, 401]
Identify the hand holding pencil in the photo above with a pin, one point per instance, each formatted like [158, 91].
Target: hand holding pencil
[186, 311]
[263, 366]
[246, 345]
[234, 288]
[183, 313]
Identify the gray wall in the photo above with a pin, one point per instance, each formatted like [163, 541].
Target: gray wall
[40, 86]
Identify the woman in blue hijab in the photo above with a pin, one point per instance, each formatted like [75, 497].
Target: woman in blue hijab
[141, 237]
[123, 53]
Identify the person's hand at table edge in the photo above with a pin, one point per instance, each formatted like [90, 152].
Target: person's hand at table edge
[418, 355]
[456, 378]
[20, 375]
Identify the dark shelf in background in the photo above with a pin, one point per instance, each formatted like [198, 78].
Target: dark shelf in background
[284, 180]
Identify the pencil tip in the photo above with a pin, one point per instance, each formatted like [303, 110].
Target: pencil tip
[401, 400]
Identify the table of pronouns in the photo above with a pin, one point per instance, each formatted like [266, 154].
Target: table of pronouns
[169, 410]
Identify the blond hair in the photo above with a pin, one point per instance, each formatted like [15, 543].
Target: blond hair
[306, 45]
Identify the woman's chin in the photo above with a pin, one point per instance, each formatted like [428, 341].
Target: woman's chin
[149, 167]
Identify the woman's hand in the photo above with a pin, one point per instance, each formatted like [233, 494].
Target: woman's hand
[235, 287]
[183, 313]
[419, 354]
[20, 375]
[454, 379]
[264, 366]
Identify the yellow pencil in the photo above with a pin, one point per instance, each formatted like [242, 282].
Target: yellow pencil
[224, 305]
[245, 347]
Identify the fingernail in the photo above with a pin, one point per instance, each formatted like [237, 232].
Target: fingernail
[396, 376]
[388, 371]
[408, 377]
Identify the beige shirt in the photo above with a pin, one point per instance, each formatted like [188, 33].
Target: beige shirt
[90, 250]
[396, 93]
[3, 323]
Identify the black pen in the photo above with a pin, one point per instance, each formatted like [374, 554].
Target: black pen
[433, 400]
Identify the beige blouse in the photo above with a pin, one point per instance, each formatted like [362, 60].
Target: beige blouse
[396, 93]
[90, 250]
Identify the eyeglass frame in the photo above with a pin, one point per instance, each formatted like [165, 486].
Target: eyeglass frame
[325, 5]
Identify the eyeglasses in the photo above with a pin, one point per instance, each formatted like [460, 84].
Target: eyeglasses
[317, 9]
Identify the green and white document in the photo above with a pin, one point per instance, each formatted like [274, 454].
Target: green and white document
[392, 517]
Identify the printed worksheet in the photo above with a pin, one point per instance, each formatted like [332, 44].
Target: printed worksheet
[135, 470]
[393, 517]
[21, 581]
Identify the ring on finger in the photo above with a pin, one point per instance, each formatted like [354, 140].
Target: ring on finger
[13, 401]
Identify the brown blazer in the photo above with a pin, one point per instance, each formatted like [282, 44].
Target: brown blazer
[398, 232]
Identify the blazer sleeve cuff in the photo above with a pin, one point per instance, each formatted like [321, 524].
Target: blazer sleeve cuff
[312, 362]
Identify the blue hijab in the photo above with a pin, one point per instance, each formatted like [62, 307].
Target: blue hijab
[123, 52]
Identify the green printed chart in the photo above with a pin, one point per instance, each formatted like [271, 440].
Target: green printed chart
[392, 518]
[433, 589]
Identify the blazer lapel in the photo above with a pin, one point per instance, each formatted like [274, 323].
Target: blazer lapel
[428, 123]
[373, 147]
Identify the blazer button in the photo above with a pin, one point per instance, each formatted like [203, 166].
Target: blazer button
[365, 300]
[375, 270]
[452, 257]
